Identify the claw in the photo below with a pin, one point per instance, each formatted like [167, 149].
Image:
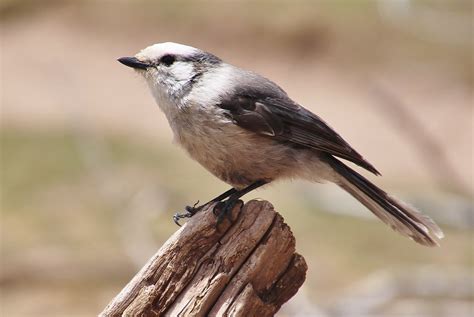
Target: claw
[224, 210]
[218, 208]
[190, 211]
[176, 218]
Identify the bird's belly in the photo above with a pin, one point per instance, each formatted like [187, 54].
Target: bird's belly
[237, 156]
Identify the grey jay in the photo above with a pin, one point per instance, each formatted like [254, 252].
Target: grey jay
[245, 130]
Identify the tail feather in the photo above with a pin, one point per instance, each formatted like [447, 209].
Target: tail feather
[398, 215]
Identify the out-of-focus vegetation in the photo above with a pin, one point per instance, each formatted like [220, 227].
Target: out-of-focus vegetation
[303, 28]
[60, 231]
[90, 179]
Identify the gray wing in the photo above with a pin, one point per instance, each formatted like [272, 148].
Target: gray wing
[272, 113]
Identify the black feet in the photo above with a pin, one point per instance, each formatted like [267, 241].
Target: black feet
[223, 209]
[190, 211]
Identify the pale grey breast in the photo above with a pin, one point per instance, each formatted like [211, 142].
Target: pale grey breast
[234, 155]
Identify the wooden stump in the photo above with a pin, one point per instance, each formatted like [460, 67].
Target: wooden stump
[245, 268]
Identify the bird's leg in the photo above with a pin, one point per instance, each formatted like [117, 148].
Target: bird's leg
[190, 211]
[224, 208]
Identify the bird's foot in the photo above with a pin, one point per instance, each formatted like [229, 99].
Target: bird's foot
[223, 209]
[190, 211]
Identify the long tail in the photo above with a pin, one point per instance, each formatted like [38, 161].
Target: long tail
[398, 215]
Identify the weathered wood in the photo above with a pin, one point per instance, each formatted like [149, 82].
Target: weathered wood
[245, 268]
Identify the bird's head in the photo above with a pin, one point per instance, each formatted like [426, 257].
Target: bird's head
[171, 69]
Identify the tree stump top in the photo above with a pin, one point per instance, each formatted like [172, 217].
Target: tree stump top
[247, 266]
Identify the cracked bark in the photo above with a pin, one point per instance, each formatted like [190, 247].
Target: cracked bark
[245, 267]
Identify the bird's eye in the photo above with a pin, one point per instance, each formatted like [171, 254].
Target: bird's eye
[168, 59]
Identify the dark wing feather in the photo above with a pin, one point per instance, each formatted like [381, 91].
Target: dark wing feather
[279, 117]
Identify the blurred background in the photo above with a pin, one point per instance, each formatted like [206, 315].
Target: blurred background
[90, 178]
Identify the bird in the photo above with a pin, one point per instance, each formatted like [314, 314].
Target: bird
[245, 130]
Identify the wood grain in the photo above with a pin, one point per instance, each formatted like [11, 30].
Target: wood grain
[247, 266]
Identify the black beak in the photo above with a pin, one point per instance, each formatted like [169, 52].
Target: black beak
[133, 62]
